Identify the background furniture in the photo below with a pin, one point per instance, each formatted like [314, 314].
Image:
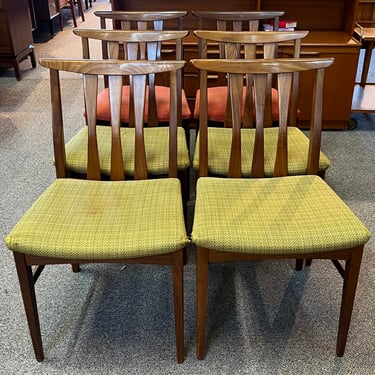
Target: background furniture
[331, 25]
[16, 34]
[47, 11]
[364, 92]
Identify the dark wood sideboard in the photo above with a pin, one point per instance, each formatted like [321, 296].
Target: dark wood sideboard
[16, 39]
[331, 24]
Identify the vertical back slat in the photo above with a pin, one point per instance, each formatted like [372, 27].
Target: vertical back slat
[284, 87]
[90, 93]
[138, 89]
[260, 93]
[115, 95]
[248, 118]
[153, 49]
[235, 93]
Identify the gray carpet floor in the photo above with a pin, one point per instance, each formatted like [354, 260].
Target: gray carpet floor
[264, 318]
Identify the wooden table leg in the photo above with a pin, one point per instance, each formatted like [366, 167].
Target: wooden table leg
[366, 62]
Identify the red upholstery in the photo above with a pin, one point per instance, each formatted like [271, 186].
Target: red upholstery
[162, 103]
[217, 99]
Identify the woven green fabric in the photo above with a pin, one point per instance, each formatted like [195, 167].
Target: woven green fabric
[219, 143]
[286, 215]
[156, 143]
[103, 220]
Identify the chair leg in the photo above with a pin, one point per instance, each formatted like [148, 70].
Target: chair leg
[80, 10]
[178, 298]
[351, 274]
[202, 287]
[299, 264]
[75, 267]
[71, 3]
[26, 280]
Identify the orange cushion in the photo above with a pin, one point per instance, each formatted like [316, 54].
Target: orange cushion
[217, 100]
[162, 103]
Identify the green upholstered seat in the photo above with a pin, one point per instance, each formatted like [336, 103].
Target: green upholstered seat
[94, 220]
[156, 144]
[219, 144]
[286, 215]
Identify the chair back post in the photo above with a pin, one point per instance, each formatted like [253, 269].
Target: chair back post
[57, 125]
[316, 124]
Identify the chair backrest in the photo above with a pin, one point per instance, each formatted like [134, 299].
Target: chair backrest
[251, 45]
[138, 45]
[141, 20]
[283, 70]
[237, 21]
[115, 70]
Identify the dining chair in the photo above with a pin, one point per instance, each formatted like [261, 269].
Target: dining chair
[248, 45]
[142, 21]
[285, 217]
[137, 45]
[121, 220]
[219, 110]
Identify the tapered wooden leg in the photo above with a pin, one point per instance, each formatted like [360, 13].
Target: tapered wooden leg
[352, 268]
[178, 298]
[72, 10]
[26, 281]
[80, 10]
[202, 286]
[75, 267]
[299, 264]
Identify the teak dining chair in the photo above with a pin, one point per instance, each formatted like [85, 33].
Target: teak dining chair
[142, 21]
[79, 221]
[248, 45]
[295, 217]
[218, 113]
[137, 45]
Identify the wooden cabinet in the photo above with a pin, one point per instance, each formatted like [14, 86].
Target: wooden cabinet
[46, 11]
[366, 10]
[15, 33]
[330, 24]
